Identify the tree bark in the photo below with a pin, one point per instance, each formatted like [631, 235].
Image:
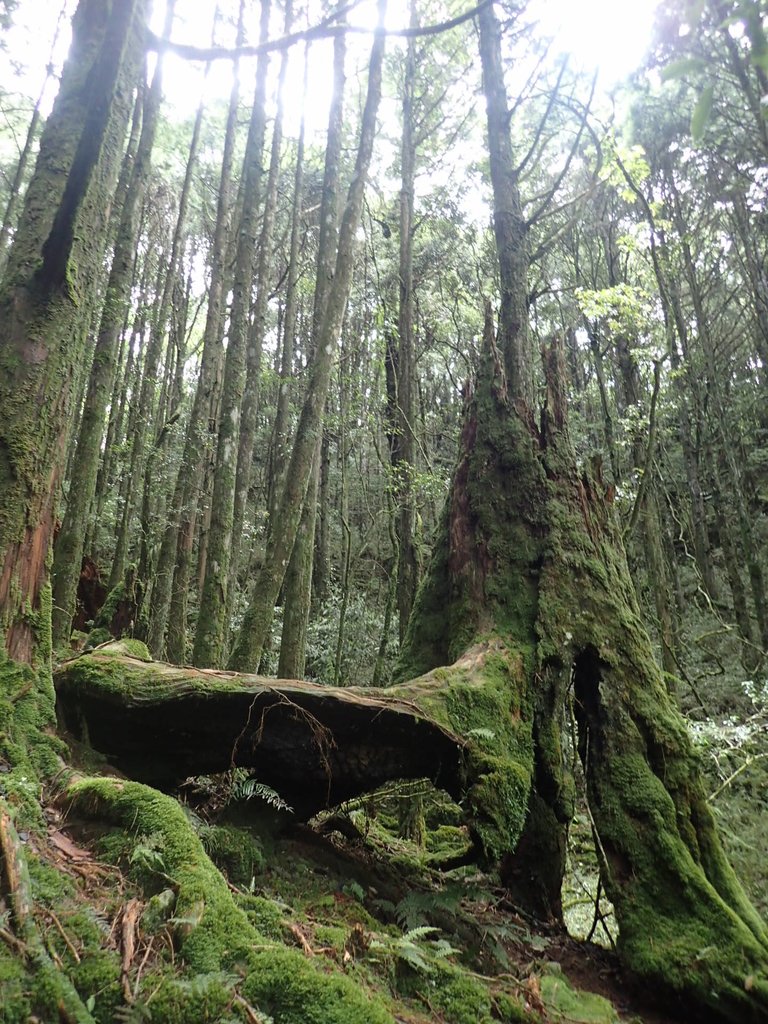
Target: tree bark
[510, 228]
[401, 406]
[68, 550]
[210, 637]
[54, 257]
[173, 569]
[257, 332]
[258, 616]
[310, 548]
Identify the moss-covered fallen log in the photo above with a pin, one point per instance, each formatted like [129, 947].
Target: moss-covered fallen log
[315, 745]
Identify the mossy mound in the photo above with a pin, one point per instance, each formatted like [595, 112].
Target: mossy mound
[566, 1003]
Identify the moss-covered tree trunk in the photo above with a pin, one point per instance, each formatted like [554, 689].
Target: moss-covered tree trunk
[44, 306]
[69, 543]
[529, 577]
[211, 635]
[54, 258]
[528, 560]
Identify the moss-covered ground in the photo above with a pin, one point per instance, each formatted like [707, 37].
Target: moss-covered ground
[201, 907]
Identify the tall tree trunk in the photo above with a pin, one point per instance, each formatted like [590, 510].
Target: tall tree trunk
[109, 473]
[298, 579]
[68, 550]
[54, 257]
[402, 408]
[172, 572]
[141, 420]
[280, 542]
[210, 637]
[509, 225]
[298, 574]
[257, 332]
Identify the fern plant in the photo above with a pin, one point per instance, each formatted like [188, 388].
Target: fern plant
[415, 948]
[147, 855]
[248, 787]
[416, 907]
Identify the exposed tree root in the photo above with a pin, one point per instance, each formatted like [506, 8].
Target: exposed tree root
[60, 992]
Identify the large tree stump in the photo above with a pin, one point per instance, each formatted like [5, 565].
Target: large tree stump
[530, 555]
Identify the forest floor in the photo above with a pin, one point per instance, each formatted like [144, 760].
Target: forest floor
[347, 892]
[344, 897]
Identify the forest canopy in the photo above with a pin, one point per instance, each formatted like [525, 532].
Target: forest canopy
[382, 499]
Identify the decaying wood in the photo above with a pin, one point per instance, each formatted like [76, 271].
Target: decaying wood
[130, 917]
[316, 745]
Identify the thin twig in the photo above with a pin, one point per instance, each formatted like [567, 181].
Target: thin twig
[750, 760]
[67, 940]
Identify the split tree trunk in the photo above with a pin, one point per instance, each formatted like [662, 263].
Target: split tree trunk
[528, 557]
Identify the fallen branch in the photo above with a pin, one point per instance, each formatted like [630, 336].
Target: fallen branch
[131, 912]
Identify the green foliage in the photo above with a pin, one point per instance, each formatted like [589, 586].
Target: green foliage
[734, 752]
[233, 850]
[238, 784]
[247, 788]
[416, 907]
[701, 113]
[147, 855]
[416, 947]
[364, 625]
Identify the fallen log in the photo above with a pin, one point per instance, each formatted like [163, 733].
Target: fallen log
[316, 745]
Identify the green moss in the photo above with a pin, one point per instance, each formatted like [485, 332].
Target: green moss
[282, 984]
[27, 743]
[331, 935]
[566, 1003]
[213, 933]
[461, 998]
[49, 887]
[98, 636]
[158, 911]
[512, 1011]
[446, 841]
[15, 985]
[234, 850]
[265, 915]
[125, 647]
[124, 593]
[498, 803]
[204, 998]
[97, 977]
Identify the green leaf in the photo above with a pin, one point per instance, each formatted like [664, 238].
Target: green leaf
[701, 112]
[679, 68]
